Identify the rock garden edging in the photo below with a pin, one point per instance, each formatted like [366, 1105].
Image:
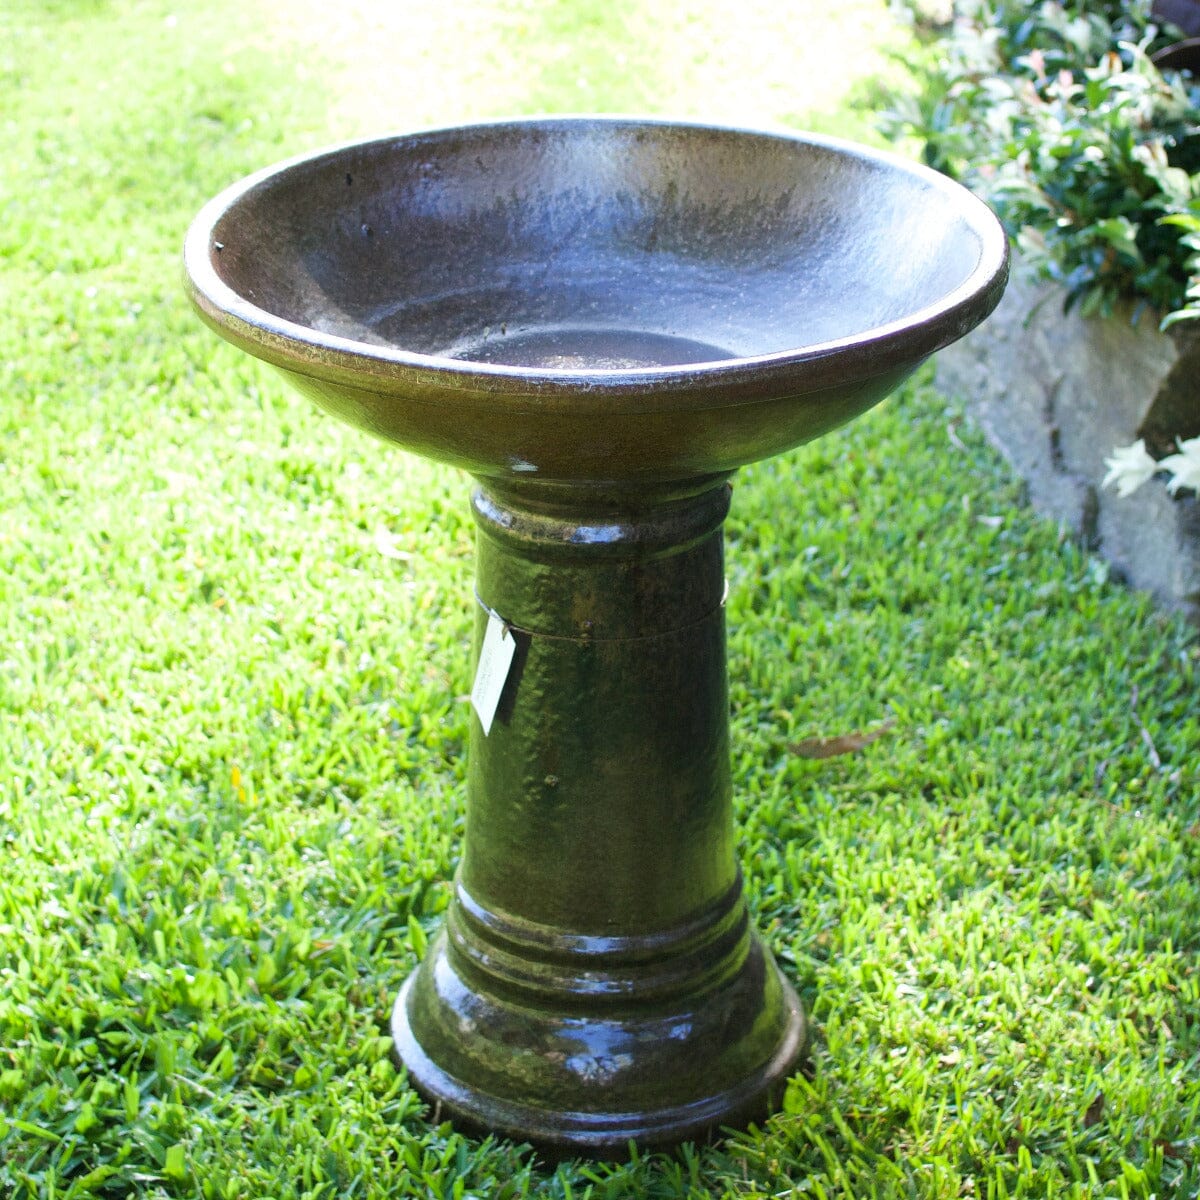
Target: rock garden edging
[1058, 392]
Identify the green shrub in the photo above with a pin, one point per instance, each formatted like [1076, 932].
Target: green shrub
[1089, 154]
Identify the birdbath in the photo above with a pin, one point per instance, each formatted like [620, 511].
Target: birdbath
[600, 320]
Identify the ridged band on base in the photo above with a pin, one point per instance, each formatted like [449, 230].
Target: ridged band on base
[602, 1134]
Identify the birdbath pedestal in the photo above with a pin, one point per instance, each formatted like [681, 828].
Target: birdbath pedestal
[600, 320]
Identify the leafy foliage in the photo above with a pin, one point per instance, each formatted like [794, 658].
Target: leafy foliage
[1089, 154]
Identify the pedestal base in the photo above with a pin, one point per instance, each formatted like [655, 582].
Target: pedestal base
[587, 1069]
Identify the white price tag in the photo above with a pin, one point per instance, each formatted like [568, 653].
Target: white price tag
[495, 659]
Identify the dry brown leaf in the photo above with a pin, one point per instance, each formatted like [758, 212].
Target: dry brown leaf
[844, 743]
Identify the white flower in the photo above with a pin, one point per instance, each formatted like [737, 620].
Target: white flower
[389, 545]
[1184, 466]
[1129, 467]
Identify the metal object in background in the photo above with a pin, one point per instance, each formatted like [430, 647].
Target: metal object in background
[1179, 56]
[1185, 16]
[600, 319]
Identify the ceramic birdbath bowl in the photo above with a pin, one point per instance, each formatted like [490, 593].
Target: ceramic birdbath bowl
[600, 320]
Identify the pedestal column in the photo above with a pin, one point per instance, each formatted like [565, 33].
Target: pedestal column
[597, 978]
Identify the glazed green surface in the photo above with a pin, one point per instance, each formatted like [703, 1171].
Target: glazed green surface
[598, 979]
[236, 646]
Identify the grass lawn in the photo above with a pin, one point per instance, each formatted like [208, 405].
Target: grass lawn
[235, 648]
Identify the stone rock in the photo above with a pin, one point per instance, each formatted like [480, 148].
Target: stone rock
[1057, 392]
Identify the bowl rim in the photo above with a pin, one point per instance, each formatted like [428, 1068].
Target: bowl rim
[892, 346]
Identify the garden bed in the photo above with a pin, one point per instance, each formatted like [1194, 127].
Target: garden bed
[1076, 123]
[1056, 392]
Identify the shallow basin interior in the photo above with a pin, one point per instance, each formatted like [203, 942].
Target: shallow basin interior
[594, 245]
[569, 347]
